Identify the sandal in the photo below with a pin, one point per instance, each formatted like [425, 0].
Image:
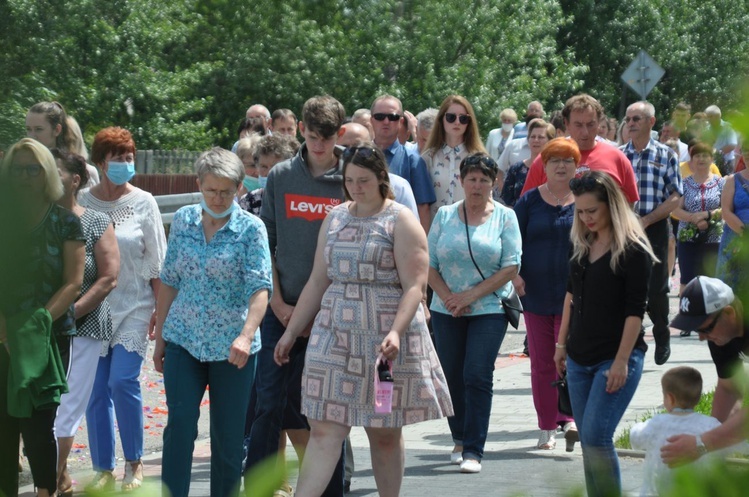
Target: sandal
[547, 440]
[133, 476]
[103, 482]
[65, 484]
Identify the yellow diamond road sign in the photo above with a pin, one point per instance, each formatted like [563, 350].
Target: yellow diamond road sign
[643, 74]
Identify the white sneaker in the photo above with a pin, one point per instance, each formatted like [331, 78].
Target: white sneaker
[470, 466]
[456, 458]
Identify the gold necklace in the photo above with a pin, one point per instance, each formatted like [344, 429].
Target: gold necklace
[559, 200]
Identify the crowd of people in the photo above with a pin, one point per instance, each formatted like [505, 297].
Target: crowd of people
[387, 242]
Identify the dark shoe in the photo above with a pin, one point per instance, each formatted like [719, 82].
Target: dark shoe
[346, 487]
[685, 333]
[662, 354]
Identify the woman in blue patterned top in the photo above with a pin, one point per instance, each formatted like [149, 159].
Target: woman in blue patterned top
[468, 319]
[41, 271]
[216, 282]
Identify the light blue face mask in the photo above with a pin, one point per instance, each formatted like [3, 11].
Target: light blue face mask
[218, 215]
[120, 173]
[251, 183]
[262, 180]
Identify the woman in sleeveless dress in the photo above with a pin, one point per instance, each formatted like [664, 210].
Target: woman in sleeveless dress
[732, 253]
[366, 290]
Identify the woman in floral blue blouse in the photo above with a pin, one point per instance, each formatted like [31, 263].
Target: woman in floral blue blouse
[216, 282]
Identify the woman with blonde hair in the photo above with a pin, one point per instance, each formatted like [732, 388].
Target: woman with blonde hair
[454, 137]
[601, 345]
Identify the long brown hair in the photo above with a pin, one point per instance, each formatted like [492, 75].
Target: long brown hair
[471, 138]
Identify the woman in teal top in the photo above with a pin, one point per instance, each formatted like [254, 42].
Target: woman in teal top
[215, 285]
[467, 316]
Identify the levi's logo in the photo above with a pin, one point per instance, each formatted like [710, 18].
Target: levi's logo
[308, 207]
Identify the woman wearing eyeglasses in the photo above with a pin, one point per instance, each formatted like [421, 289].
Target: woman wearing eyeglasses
[215, 285]
[142, 245]
[600, 344]
[539, 134]
[365, 297]
[467, 316]
[545, 217]
[41, 273]
[455, 135]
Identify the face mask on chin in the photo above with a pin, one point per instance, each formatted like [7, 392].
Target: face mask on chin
[218, 215]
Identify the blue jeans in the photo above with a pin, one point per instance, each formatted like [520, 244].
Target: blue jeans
[467, 347]
[597, 415]
[116, 389]
[185, 380]
[272, 382]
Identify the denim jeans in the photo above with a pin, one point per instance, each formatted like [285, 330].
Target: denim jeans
[467, 348]
[272, 382]
[597, 415]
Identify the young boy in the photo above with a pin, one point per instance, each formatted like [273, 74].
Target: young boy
[298, 195]
[682, 388]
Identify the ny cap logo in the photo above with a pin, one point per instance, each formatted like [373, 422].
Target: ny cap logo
[684, 305]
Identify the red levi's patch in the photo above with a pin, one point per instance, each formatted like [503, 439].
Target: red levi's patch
[309, 207]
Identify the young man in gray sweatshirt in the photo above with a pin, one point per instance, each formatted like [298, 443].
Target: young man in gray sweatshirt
[299, 194]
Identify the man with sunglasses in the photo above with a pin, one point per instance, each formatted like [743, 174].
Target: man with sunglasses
[709, 307]
[659, 184]
[387, 113]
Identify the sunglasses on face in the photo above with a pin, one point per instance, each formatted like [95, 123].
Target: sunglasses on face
[474, 160]
[584, 184]
[712, 324]
[363, 152]
[32, 170]
[462, 118]
[390, 117]
[634, 119]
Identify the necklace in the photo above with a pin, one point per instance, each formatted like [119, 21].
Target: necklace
[559, 200]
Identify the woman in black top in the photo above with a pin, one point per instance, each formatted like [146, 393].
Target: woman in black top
[601, 344]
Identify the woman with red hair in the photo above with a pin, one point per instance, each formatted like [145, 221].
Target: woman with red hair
[545, 217]
[142, 245]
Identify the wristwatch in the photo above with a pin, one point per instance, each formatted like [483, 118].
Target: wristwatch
[701, 449]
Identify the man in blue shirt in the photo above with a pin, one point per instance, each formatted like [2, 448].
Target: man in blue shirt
[656, 168]
[387, 113]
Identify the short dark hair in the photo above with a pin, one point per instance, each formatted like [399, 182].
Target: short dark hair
[557, 119]
[582, 102]
[323, 115]
[74, 164]
[254, 124]
[480, 162]
[279, 145]
[685, 384]
[283, 114]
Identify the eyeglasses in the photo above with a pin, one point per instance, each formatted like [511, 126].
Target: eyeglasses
[363, 152]
[556, 161]
[474, 160]
[390, 117]
[462, 118]
[584, 184]
[31, 170]
[224, 194]
[712, 324]
[634, 119]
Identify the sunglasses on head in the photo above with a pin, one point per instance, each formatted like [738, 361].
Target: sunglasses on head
[584, 184]
[363, 152]
[32, 170]
[474, 160]
[462, 118]
[390, 117]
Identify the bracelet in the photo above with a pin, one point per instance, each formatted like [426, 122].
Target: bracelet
[560, 345]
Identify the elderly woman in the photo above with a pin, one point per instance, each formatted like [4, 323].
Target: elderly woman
[545, 217]
[41, 271]
[468, 319]
[214, 291]
[539, 134]
[92, 314]
[601, 342]
[142, 245]
[455, 135]
[365, 288]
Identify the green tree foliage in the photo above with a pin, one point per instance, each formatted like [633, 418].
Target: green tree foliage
[180, 74]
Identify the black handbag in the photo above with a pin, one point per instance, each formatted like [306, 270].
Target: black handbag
[511, 304]
[564, 405]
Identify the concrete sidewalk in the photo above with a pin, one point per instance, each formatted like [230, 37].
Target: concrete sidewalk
[511, 465]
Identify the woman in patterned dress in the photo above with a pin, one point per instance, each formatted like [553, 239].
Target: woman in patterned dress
[215, 286]
[142, 245]
[365, 290]
[468, 319]
[455, 135]
[93, 318]
[41, 272]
